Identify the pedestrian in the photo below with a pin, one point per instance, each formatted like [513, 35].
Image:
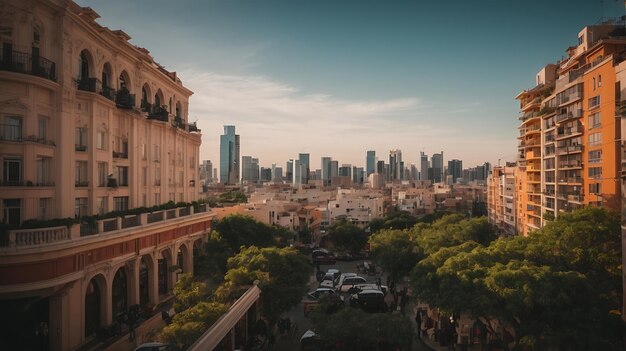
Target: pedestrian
[418, 321]
[378, 282]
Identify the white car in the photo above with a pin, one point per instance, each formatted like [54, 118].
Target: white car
[369, 286]
[348, 282]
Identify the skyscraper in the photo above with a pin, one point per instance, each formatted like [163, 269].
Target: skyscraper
[371, 162]
[437, 166]
[304, 168]
[396, 166]
[289, 171]
[229, 156]
[326, 161]
[455, 169]
[249, 169]
[423, 166]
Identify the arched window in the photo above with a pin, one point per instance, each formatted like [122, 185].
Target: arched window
[119, 292]
[179, 112]
[144, 282]
[92, 307]
[107, 91]
[145, 103]
[83, 65]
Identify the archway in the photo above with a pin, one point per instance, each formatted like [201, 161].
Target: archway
[164, 263]
[84, 65]
[144, 281]
[158, 99]
[119, 292]
[93, 305]
[107, 73]
[182, 259]
[145, 94]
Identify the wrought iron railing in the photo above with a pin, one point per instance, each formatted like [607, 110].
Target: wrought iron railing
[21, 62]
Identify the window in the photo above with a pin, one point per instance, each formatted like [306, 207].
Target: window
[595, 120]
[157, 153]
[80, 207]
[594, 83]
[595, 139]
[157, 177]
[103, 173]
[81, 174]
[12, 211]
[103, 204]
[595, 188]
[172, 197]
[180, 178]
[81, 139]
[594, 102]
[157, 199]
[581, 39]
[101, 142]
[43, 171]
[595, 156]
[12, 171]
[12, 129]
[122, 176]
[44, 208]
[121, 145]
[144, 176]
[144, 151]
[595, 172]
[120, 203]
[42, 130]
[599, 80]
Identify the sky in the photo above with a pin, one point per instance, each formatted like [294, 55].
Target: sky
[340, 77]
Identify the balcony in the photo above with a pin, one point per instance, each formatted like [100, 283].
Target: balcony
[158, 113]
[569, 132]
[120, 154]
[28, 183]
[81, 183]
[35, 65]
[571, 180]
[80, 147]
[571, 164]
[561, 117]
[124, 99]
[193, 127]
[178, 123]
[569, 149]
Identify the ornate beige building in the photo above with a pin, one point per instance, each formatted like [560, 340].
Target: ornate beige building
[89, 124]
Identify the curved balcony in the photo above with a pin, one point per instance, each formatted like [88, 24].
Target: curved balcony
[35, 65]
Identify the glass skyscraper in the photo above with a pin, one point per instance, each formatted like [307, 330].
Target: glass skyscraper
[229, 156]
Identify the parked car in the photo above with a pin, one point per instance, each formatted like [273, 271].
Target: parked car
[345, 283]
[369, 300]
[323, 256]
[368, 286]
[319, 292]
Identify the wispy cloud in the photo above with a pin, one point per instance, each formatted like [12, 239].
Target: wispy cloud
[277, 121]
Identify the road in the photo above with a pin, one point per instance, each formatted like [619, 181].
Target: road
[289, 343]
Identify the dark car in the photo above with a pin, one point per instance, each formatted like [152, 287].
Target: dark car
[369, 286]
[369, 300]
[319, 292]
[323, 256]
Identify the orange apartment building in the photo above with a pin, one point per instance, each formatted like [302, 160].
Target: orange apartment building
[89, 124]
[569, 132]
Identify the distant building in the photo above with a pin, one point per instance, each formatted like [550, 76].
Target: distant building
[455, 169]
[249, 169]
[437, 167]
[289, 172]
[396, 166]
[424, 166]
[370, 162]
[229, 156]
[325, 171]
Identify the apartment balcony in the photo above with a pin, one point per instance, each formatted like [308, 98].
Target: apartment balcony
[563, 133]
[569, 149]
[37, 237]
[530, 143]
[524, 116]
[562, 117]
[81, 183]
[575, 96]
[35, 65]
[10, 132]
[81, 148]
[536, 128]
[124, 99]
[120, 154]
[179, 123]
[548, 192]
[534, 103]
[27, 183]
[550, 179]
[570, 164]
[158, 113]
[193, 127]
[570, 180]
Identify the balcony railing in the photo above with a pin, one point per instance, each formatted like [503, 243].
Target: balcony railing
[570, 164]
[571, 180]
[569, 115]
[124, 99]
[193, 127]
[120, 154]
[80, 147]
[567, 132]
[81, 183]
[159, 114]
[569, 149]
[21, 62]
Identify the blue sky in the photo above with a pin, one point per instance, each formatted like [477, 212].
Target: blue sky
[339, 77]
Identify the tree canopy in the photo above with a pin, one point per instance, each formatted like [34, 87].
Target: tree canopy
[282, 275]
[396, 220]
[552, 289]
[347, 236]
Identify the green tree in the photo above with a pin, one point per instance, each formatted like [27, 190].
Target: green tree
[395, 251]
[347, 236]
[189, 325]
[189, 292]
[396, 220]
[282, 274]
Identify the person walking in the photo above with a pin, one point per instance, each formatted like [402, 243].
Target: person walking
[418, 321]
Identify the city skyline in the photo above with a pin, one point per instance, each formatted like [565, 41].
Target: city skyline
[298, 78]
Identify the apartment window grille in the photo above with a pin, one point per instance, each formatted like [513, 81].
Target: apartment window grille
[12, 128]
[120, 203]
[156, 157]
[594, 102]
[595, 172]
[595, 139]
[80, 207]
[103, 173]
[12, 171]
[157, 177]
[122, 175]
[81, 173]
[595, 156]
[12, 211]
[81, 139]
[595, 120]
